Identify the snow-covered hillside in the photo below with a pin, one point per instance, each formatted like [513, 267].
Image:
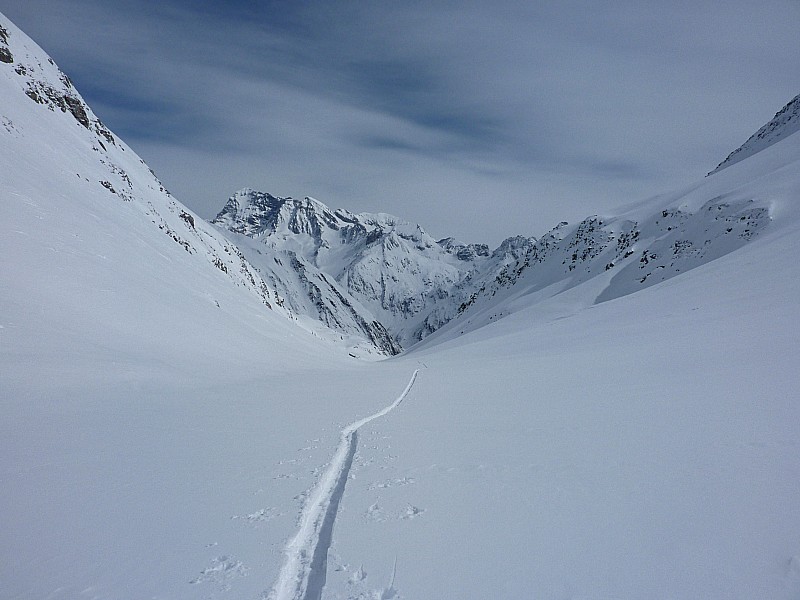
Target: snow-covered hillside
[783, 124]
[609, 257]
[600, 443]
[47, 123]
[577, 431]
[58, 152]
[391, 273]
[138, 353]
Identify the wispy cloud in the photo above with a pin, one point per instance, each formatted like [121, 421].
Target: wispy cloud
[475, 119]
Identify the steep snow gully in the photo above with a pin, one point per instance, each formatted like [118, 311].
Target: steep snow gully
[303, 574]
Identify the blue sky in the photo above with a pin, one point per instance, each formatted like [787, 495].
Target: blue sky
[479, 120]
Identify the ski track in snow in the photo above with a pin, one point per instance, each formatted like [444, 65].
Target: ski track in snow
[304, 570]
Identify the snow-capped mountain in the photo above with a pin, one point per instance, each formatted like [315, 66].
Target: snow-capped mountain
[306, 291]
[391, 272]
[399, 280]
[49, 129]
[617, 255]
[408, 281]
[607, 257]
[369, 281]
[783, 124]
[292, 267]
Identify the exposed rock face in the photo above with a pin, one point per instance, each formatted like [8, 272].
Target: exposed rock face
[46, 84]
[5, 53]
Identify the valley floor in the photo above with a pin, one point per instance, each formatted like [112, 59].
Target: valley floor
[644, 447]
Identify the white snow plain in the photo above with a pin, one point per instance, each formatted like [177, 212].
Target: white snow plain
[165, 435]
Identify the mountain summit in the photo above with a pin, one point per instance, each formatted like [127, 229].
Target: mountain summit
[406, 280]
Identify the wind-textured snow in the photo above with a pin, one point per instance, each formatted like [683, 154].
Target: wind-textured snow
[589, 424]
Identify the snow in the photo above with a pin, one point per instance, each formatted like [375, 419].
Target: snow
[303, 574]
[783, 124]
[390, 270]
[165, 434]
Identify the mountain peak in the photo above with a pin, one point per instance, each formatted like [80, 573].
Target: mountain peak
[253, 213]
[785, 122]
[250, 212]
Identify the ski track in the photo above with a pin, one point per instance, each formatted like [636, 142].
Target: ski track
[304, 571]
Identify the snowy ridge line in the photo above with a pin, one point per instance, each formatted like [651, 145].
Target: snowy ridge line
[304, 570]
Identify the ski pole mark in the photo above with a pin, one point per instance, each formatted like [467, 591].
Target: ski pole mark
[304, 571]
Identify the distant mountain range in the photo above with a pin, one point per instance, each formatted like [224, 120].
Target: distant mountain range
[391, 276]
[373, 277]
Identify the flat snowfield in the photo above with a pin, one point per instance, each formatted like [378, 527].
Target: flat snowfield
[643, 447]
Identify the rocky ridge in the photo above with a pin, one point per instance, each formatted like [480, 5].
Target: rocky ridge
[783, 124]
[401, 276]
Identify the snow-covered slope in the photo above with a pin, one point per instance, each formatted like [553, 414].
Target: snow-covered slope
[783, 124]
[407, 281]
[599, 443]
[56, 151]
[415, 286]
[643, 447]
[615, 256]
[612, 256]
[305, 290]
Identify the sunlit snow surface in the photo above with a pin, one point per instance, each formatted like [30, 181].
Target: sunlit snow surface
[162, 430]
